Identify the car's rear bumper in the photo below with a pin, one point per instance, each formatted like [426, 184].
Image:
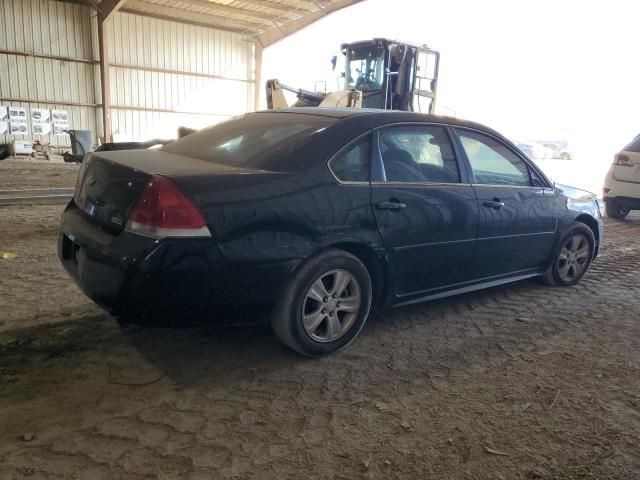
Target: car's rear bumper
[133, 274]
[629, 202]
[615, 189]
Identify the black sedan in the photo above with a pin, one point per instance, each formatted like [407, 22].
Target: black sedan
[321, 215]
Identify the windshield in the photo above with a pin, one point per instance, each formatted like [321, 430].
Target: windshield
[252, 140]
[634, 146]
[365, 67]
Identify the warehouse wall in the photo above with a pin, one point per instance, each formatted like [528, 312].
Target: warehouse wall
[41, 27]
[163, 74]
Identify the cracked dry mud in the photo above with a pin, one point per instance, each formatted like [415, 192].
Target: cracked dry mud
[518, 382]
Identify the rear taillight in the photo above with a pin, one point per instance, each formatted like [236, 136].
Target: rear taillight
[622, 160]
[164, 211]
[606, 190]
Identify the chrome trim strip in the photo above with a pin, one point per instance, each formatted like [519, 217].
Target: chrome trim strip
[421, 184]
[409, 247]
[516, 235]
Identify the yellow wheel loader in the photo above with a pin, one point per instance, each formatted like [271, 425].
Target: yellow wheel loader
[379, 73]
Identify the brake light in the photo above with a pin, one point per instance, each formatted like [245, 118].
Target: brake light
[164, 211]
[606, 190]
[622, 160]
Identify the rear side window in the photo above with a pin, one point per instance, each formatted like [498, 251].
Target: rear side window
[419, 154]
[492, 162]
[634, 146]
[353, 164]
[252, 140]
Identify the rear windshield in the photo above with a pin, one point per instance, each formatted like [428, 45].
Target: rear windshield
[251, 140]
[634, 146]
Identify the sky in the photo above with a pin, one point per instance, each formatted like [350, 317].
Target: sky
[559, 70]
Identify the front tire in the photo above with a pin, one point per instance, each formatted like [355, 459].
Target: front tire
[615, 210]
[324, 305]
[572, 256]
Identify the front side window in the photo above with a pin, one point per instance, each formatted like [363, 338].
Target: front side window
[352, 165]
[365, 67]
[492, 162]
[421, 154]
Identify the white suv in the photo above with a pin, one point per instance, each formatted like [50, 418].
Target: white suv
[621, 191]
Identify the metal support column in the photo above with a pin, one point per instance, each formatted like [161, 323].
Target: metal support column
[106, 9]
[103, 46]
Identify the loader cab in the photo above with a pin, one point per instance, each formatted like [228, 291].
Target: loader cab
[392, 75]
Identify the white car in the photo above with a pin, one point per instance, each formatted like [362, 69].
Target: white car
[621, 192]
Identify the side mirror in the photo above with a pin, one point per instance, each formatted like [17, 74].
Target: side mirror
[342, 74]
[334, 61]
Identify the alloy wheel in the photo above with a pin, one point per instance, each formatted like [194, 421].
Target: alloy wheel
[331, 305]
[574, 257]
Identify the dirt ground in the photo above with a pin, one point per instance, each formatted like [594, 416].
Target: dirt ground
[518, 382]
[24, 173]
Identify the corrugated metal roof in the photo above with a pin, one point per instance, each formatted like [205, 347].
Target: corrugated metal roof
[266, 20]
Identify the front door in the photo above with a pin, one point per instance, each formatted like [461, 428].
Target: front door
[426, 215]
[517, 210]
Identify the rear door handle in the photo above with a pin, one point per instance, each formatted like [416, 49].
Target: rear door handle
[392, 205]
[496, 204]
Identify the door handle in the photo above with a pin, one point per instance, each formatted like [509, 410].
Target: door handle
[496, 204]
[391, 205]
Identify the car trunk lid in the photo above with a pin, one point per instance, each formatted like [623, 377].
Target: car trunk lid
[110, 183]
[627, 170]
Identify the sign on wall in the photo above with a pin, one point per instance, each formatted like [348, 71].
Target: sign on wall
[17, 114]
[61, 116]
[41, 128]
[60, 122]
[18, 121]
[19, 127]
[59, 128]
[40, 121]
[4, 119]
[40, 115]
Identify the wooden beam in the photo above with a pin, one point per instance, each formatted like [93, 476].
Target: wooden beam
[48, 102]
[179, 72]
[189, 16]
[48, 57]
[107, 8]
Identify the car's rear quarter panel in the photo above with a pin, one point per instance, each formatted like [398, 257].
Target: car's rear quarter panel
[276, 217]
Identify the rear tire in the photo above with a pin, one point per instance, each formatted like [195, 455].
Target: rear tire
[324, 305]
[615, 210]
[572, 256]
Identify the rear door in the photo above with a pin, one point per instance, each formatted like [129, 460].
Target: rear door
[517, 209]
[626, 167]
[425, 211]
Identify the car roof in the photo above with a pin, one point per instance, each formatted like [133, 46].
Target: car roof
[374, 115]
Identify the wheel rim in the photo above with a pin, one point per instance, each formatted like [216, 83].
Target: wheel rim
[623, 211]
[574, 257]
[331, 305]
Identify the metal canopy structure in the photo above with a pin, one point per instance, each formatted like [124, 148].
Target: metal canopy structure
[265, 20]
